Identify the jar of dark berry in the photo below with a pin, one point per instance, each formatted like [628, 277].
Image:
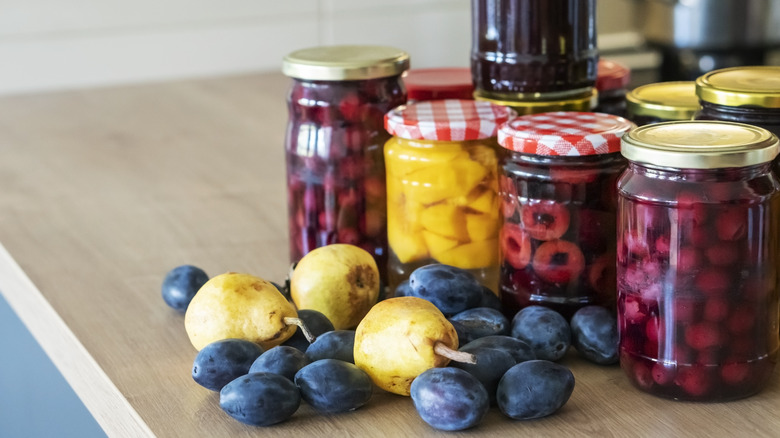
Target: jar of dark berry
[523, 48]
[662, 102]
[742, 94]
[698, 260]
[442, 184]
[613, 78]
[557, 182]
[438, 83]
[334, 143]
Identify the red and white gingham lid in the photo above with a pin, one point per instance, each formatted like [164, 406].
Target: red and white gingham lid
[564, 133]
[447, 120]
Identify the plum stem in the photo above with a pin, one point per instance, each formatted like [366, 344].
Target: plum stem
[458, 356]
[299, 322]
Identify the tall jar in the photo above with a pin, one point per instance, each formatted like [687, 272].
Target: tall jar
[742, 94]
[523, 48]
[662, 102]
[442, 185]
[698, 257]
[335, 136]
[557, 182]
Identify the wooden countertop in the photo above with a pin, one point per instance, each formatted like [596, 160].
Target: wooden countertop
[103, 191]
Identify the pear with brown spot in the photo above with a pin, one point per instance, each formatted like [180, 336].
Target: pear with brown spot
[241, 306]
[341, 281]
[402, 337]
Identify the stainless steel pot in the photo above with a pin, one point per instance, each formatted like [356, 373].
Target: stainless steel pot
[710, 24]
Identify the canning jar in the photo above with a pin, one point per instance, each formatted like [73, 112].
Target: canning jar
[442, 185]
[662, 102]
[335, 136]
[438, 83]
[557, 182]
[698, 259]
[521, 48]
[611, 82]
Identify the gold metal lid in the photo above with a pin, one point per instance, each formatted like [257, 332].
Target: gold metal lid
[345, 63]
[581, 103]
[700, 145]
[675, 100]
[740, 86]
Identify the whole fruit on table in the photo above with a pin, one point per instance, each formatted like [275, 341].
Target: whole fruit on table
[341, 281]
[534, 389]
[335, 344]
[451, 289]
[181, 284]
[594, 334]
[402, 337]
[491, 365]
[449, 398]
[480, 322]
[240, 306]
[332, 386]
[544, 329]
[283, 360]
[316, 322]
[222, 361]
[260, 399]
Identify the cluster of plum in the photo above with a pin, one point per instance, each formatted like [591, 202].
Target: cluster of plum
[557, 243]
[335, 164]
[697, 295]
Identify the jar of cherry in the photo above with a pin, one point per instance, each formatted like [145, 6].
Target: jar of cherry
[335, 136]
[557, 182]
[442, 184]
[698, 257]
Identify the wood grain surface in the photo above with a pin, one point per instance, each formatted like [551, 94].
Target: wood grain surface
[103, 191]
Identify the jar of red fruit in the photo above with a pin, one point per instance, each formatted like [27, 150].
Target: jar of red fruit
[557, 183]
[742, 94]
[698, 260]
[442, 184]
[613, 78]
[335, 136]
[662, 102]
[523, 48]
[438, 83]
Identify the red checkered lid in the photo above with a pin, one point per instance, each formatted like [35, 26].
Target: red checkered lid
[564, 133]
[447, 120]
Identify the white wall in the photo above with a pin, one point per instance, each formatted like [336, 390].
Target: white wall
[56, 44]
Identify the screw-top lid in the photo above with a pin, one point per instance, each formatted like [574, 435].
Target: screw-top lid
[547, 102]
[439, 83]
[675, 100]
[612, 75]
[345, 63]
[700, 144]
[738, 86]
[564, 133]
[446, 120]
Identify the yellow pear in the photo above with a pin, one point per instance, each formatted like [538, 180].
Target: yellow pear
[402, 337]
[341, 281]
[242, 306]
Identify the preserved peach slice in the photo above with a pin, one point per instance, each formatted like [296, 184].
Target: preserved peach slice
[481, 226]
[445, 219]
[438, 244]
[474, 255]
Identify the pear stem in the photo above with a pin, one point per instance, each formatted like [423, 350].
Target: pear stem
[301, 325]
[458, 356]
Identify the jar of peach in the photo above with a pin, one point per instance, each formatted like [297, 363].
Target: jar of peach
[442, 184]
[557, 183]
[697, 264]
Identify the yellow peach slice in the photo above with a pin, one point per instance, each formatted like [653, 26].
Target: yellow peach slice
[445, 219]
[474, 255]
[482, 226]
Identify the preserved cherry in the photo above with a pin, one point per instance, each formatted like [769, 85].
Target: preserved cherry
[698, 316]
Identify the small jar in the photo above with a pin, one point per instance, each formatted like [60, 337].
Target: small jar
[613, 78]
[442, 185]
[521, 48]
[698, 259]
[742, 94]
[662, 102]
[438, 83]
[557, 182]
[335, 136]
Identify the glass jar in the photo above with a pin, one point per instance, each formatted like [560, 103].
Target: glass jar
[698, 259]
[335, 136]
[742, 94]
[557, 182]
[521, 48]
[613, 78]
[442, 185]
[662, 102]
[438, 83]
